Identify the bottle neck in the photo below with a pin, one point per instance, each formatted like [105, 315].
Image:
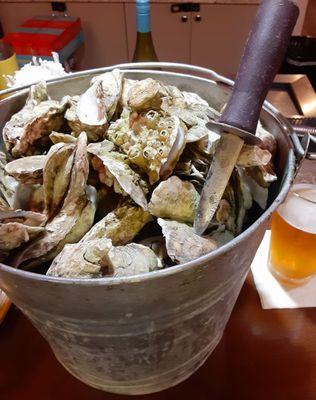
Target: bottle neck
[142, 16]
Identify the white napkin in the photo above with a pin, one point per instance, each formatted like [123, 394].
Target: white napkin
[274, 294]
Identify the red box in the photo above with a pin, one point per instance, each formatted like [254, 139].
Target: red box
[42, 35]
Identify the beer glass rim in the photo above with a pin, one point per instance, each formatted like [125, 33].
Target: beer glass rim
[292, 190]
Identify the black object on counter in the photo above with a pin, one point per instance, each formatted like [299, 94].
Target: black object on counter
[301, 58]
[59, 6]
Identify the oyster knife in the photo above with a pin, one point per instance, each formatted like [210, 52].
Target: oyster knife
[264, 51]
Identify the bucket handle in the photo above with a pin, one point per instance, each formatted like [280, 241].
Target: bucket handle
[142, 65]
[301, 149]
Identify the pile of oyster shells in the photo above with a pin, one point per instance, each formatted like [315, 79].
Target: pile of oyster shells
[107, 183]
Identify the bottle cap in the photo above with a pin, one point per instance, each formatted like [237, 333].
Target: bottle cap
[142, 7]
[143, 15]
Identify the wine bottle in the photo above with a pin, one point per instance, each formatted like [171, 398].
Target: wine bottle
[144, 49]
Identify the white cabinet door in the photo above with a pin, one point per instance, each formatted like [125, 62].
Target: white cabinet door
[171, 36]
[219, 37]
[104, 33]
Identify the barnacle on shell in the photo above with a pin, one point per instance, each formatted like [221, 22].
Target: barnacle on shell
[147, 139]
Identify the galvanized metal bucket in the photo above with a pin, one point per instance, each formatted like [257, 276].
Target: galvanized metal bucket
[145, 333]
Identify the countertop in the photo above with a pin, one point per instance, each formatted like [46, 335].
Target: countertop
[262, 355]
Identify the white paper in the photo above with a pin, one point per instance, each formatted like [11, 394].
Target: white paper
[274, 294]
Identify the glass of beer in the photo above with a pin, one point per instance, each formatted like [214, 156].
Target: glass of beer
[292, 257]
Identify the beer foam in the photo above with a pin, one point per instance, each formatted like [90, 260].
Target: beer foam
[299, 209]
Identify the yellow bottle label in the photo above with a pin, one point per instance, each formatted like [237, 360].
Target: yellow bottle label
[7, 67]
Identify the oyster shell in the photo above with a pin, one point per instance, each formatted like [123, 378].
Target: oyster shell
[56, 175]
[8, 186]
[237, 199]
[197, 133]
[36, 200]
[243, 198]
[206, 146]
[174, 155]
[13, 234]
[174, 199]
[252, 156]
[23, 217]
[101, 98]
[127, 84]
[75, 261]
[100, 258]
[120, 225]
[221, 236]
[64, 223]
[230, 197]
[268, 140]
[94, 108]
[158, 245]
[182, 243]
[114, 171]
[58, 137]
[132, 259]
[147, 139]
[28, 129]
[18, 226]
[187, 170]
[223, 212]
[82, 225]
[262, 174]
[258, 193]
[94, 132]
[187, 106]
[27, 170]
[145, 95]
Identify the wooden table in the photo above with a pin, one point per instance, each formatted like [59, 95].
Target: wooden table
[263, 355]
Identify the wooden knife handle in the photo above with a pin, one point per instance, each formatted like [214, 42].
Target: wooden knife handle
[264, 51]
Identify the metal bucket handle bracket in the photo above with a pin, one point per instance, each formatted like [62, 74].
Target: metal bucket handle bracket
[301, 147]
